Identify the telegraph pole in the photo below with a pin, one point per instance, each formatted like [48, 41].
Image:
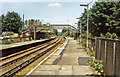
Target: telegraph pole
[23, 22]
[80, 29]
[87, 5]
[80, 32]
[35, 26]
[23, 28]
[34, 33]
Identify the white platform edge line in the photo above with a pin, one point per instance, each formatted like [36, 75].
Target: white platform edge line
[41, 62]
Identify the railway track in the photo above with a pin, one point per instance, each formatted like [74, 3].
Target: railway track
[16, 62]
[6, 60]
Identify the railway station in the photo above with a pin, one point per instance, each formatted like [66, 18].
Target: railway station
[43, 39]
[51, 56]
[66, 58]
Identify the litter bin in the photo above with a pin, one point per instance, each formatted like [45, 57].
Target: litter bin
[24, 39]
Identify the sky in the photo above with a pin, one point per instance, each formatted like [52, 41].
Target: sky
[50, 11]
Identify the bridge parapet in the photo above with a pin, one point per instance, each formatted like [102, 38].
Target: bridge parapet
[58, 26]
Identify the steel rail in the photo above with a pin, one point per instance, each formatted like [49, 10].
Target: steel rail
[10, 62]
[26, 63]
[25, 51]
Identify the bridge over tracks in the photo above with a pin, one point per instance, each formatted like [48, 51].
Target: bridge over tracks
[57, 26]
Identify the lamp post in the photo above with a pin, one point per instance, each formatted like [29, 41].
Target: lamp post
[87, 5]
[34, 28]
[79, 31]
[68, 27]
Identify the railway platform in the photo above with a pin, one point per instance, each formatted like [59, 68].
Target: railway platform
[19, 44]
[16, 47]
[69, 59]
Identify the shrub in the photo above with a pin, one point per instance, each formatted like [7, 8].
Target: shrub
[84, 43]
[114, 36]
[97, 64]
[109, 35]
[101, 35]
[91, 53]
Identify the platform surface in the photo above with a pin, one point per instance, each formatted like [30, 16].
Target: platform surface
[73, 61]
[19, 44]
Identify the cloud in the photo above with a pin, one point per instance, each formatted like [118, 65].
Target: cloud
[54, 4]
[81, 1]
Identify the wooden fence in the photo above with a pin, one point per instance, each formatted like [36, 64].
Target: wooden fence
[107, 50]
[91, 43]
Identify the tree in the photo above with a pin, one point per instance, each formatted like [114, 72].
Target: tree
[26, 22]
[105, 17]
[55, 32]
[71, 34]
[39, 23]
[1, 20]
[29, 21]
[65, 32]
[12, 22]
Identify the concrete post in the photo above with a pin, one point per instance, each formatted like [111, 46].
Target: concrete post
[99, 57]
[109, 57]
[103, 55]
[96, 48]
[87, 25]
[117, 59]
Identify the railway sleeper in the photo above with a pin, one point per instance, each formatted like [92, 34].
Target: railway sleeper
[27, 62]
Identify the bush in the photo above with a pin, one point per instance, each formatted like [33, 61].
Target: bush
[109, 35]
[84, 34]
[66, 34]
[97, 64]
[84, 43]
[101, 35]
[71, 34]
[91, 53]
[114, 36]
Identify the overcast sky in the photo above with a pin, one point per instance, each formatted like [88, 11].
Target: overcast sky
[50, 11]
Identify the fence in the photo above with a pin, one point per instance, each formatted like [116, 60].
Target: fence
[9, 40]
[108, 51]
[91, 43]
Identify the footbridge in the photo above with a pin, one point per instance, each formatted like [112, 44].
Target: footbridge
[50, 27]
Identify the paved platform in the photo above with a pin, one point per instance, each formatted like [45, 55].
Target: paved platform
[69, 59]
[72, 53]
[20, 44]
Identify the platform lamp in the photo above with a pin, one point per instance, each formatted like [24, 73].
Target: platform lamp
[23, 28]
[78, 33]
[35, 27]
[68, 25]
[80, 29]
[87, 5]
[34, 23]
